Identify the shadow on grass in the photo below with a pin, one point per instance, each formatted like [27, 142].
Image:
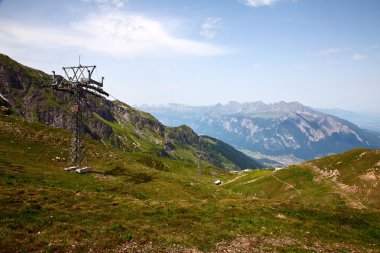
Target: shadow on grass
[137, 178]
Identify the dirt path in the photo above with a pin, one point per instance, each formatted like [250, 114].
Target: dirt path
[254, 180]
[291, 186]
[236, 178]
[268, 175]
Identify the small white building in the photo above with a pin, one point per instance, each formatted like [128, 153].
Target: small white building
[218, 182]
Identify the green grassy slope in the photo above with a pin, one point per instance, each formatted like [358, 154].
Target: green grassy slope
[158, 204]
[355, 173]
[353, 177]
[233, 158]
[290, 185]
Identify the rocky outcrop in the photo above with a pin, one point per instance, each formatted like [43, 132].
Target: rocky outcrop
[24, 88]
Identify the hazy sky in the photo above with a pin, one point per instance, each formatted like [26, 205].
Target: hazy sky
[322, 53]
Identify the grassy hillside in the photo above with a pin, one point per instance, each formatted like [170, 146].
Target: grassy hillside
[355, 174]
[152, 204]
[232, 159]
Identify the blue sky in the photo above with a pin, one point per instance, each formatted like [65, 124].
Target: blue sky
[322, 53]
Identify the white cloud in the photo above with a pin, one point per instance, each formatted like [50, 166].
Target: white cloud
[258, 3]
[359, 57]
[106, 4]
[19, 35]
[112, 33]
[330, 51]
[210, 27]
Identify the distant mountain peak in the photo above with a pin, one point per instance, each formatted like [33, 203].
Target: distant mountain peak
[274, 129]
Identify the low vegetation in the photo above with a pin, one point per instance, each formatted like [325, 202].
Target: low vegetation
[140, 202]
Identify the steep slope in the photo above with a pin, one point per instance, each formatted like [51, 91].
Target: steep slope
[279, 129]
[113, 122]
[144, 203]
[356, 172]
[224, 151]
[352, 177]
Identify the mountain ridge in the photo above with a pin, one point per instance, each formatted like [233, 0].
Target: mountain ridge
[277, 129]
[366, 120]
[112, 122]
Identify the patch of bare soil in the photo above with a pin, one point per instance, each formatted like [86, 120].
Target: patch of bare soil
[104, 177]
[323, 174]
[371, 175]
[278, 244]
[255, 244]
[135, 247]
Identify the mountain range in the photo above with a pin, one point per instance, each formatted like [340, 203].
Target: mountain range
[145, 193]
[23, 93]
[271, 134]
[366, 120]
[275, 131]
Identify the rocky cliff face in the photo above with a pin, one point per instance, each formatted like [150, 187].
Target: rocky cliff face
[112, 122]
[23, 88]
[273, 129]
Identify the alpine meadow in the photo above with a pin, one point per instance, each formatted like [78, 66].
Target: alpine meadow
[190, 126]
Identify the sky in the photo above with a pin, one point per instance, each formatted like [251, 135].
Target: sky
[322, 53]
